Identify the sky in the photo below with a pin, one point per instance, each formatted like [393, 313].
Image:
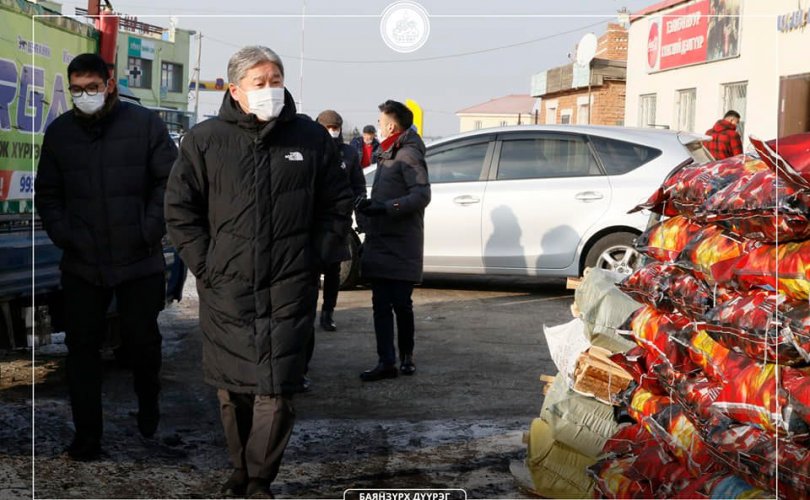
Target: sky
[348, 67]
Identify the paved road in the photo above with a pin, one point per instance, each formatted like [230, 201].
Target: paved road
[456, 423]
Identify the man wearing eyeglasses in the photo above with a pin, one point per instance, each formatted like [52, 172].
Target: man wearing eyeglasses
[99, 192]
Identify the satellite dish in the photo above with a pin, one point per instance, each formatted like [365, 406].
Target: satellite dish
[586, 49]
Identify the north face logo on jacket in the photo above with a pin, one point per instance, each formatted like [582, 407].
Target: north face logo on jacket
[295, 156]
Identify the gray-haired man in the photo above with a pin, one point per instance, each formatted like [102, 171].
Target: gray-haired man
[255, 201]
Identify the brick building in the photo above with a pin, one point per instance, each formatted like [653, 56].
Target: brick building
[564, 93]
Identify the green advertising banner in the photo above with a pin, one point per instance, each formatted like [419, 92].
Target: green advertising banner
[33, 91]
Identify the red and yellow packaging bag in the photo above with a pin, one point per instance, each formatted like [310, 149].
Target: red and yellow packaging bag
[764, 326]
[665, 240]
[784, 267]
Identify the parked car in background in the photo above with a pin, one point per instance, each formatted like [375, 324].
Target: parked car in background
[543, 200]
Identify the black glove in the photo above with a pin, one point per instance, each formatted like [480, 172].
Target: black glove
[371, 208]
[359, 201]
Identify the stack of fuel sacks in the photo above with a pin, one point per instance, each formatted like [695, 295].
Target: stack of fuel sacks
[721, 392]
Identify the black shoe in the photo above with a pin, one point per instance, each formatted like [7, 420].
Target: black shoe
[407, 367]
[236, 485]
[258, 488]
[84, 449]
[379, 372]
[327, 321]
[306, 384]
[148, 416]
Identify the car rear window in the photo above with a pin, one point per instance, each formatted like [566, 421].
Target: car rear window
[620, 157]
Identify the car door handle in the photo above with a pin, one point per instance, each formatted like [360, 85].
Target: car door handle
[466, 200]
[587, 196]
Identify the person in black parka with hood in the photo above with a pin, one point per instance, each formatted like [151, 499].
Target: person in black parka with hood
[394, 244]
[255, 202]
[99, 191]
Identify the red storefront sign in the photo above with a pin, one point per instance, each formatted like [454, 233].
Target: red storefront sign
[683, 35]
[700, 32]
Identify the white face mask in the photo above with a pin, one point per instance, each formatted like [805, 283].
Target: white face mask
[266, 103]
[334, 133]
[89, 104]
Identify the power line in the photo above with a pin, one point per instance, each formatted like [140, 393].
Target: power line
[432, 58]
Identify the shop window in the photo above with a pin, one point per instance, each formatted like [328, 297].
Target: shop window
[646, 110]
[139, 73]
[582, 114]
[171, 77]
[735, 97]
[685, 109]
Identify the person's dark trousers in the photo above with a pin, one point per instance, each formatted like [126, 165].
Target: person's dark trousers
[310, 350]
[390, 297]
[331, 283]
[257, 430]
[138, 302]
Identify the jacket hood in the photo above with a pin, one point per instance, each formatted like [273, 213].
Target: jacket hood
[231, 112]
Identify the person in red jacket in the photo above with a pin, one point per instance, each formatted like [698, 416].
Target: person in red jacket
[725, 140]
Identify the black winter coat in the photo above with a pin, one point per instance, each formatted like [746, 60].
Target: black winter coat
[394, 242]
[253, 209]
[99, 192]
[350, 163]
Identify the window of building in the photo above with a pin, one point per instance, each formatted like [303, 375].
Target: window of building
[646, 110]
[734, 97]
[582, 114]
[565, 116]
[551, 115]
[685, 109]
[564, 156]
[139, 73]
[477, 124]
[171, 77]
[463, 162]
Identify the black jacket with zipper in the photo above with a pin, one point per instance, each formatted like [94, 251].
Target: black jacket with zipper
[394, 244]
[254, 209]
[99, 191]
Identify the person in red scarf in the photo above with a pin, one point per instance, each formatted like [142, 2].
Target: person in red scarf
[394, 244]
[366, 146]
[725, 140]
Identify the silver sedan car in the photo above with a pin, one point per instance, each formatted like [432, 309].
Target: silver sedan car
[542, 200]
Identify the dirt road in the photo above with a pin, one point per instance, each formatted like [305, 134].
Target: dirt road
[457, 423]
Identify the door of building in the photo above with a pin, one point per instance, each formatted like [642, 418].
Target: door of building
[794, 104]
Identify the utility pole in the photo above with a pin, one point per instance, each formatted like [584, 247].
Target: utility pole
[197, 79]
[160, 72]
[301, 74]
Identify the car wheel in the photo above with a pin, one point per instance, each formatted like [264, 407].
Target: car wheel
[350, 269]
[615, 253]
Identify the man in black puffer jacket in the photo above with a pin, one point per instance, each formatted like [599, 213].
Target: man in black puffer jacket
[255, 203]
[99, 191]
[394, 245]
